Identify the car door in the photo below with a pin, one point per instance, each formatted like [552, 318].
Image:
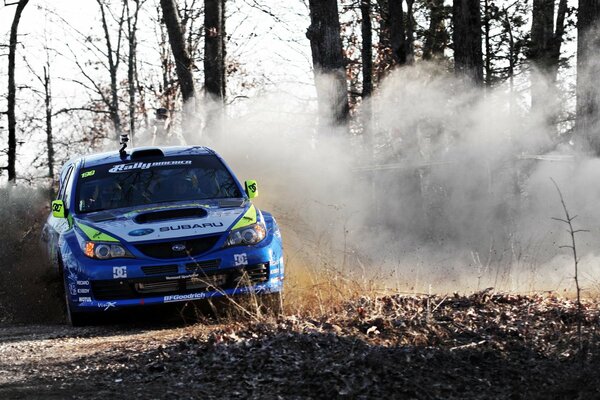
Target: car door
[55, 226]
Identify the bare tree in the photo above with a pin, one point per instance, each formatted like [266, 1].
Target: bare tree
[48, 106]
[588, 73]
[113, 57]
[12, 121]
[214, 62]
[397, 30]
[132, 21]
[544, 54]
[468, 57]
[214, 49]
[367, 48]
[436, 37]
[183, 60]
[328, 60]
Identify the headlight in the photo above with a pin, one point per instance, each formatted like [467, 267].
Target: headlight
[251, 234]
[105, 251]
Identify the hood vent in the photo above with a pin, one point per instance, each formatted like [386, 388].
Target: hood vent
[165, 215]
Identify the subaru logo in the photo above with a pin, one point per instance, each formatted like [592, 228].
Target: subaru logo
[141, 232]
[178, 247]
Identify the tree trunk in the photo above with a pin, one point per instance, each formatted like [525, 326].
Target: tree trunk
[183, 61]
[113, 68]
[132, 21]
[545, 56]
[436, 36]
[397, 32]
[48, 105]
[367, 48]
[214, 49]
[468, 58]
[588, 73]
[12, 93]
[410, 27]
[511, 59]
[328, 61]
[487, 41]
[542, 32]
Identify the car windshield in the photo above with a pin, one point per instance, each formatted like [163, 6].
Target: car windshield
[170, 179]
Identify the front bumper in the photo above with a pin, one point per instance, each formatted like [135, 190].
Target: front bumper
[95, 285]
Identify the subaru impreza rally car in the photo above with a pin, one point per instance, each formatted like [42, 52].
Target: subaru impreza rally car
[159, 225]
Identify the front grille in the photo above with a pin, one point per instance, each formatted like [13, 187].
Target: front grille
[193, 247]
[112, 290]
[207, 280]
[160, 269]
[202, 266]
[251, 275]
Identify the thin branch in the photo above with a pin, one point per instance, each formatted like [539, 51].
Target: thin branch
[573, 247]
[68, 110]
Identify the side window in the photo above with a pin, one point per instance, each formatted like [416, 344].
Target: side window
[63, 183]
[68, 188]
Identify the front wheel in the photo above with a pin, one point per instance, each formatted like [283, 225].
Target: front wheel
[75, 318]
[272, 303]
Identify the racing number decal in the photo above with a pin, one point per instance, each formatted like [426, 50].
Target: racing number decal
[88, 173]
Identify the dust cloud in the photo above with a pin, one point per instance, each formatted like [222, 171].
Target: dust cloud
[29, 290]
[448, 187]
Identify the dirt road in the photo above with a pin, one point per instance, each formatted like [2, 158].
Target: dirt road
[477, 347]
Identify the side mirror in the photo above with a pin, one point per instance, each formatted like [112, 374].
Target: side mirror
[251, 189]
[58, 209]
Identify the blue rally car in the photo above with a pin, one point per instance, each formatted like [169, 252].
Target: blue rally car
[159, 225]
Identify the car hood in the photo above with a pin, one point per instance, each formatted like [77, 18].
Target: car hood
[162, 221]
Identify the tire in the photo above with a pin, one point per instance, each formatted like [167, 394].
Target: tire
[77, 319]
[74, 318]
[272, 303]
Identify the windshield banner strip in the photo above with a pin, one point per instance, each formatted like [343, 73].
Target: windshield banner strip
[145, 165]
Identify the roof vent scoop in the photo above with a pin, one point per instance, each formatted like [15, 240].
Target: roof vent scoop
[146, 152]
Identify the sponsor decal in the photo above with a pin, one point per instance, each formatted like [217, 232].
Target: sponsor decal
[170, 278]
[194, 226]
[83, 283]
[57, 207]
[72, 289]
[141, 232]
[240, 259]
[107, 305]
[83, 291]
[88, 173]
[183, 297]
[142, 165]
[274, 271]
[119, 272]
[85, 299]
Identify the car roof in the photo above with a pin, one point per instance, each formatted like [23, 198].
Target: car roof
[113, 157]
